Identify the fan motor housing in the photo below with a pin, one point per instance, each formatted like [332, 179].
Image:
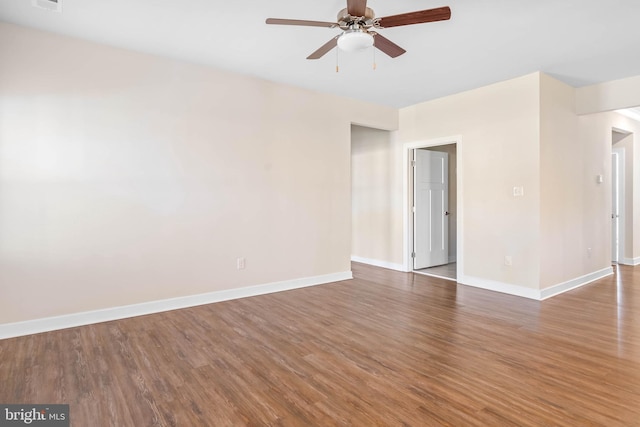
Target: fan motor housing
[343, 15]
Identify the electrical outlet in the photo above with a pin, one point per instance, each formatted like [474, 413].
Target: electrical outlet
[241, 263]
[588, 252]
[518, 191]
[508, 261]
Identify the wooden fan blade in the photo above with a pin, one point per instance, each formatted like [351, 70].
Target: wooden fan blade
[419, 17]
[356, 7]
[387, 46]
[277, 21]
[324, 48]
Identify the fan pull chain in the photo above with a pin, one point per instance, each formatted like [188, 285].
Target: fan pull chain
[337, 55]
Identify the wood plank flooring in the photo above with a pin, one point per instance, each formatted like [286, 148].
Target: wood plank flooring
[384, 349]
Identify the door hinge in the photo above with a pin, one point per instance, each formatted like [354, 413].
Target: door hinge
[413, 209]
[413, 163]
[413, 254]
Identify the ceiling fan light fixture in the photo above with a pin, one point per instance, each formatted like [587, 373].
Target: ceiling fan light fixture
[355, 39]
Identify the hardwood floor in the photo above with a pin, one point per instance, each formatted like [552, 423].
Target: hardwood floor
[384, 349]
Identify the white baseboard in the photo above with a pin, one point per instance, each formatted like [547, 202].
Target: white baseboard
[378, 263]
[505, 288]
[575, 283]
[630, 261]
[535, 294]
[9, 330]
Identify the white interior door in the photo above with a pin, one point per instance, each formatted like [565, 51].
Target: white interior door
[430, 206]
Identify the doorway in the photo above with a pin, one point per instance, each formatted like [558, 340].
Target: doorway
[433, 225]
[620, 140]
[615, 207]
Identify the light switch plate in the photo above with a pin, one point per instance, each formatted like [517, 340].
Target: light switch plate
[518, 191]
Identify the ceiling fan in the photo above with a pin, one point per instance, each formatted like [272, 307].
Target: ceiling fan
[358, 22]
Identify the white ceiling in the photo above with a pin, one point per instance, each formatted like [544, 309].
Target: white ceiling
[578, 41]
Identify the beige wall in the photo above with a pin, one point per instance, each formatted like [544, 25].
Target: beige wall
[608, 96]
[596, 129]
[499, 125]
[567, 188]
[525, 132]
[376, 234]
[573, 205]
[127, 178]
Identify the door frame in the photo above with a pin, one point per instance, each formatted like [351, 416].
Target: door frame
[620, 153]
[407, 198]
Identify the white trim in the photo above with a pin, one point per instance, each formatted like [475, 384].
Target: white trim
[505, 288]
[574, 283]
[9, 330]
[535, 294]
[630, 261]
[378, 263]
[622, 200]
[439, 276]
[630, 113]
[407, 223]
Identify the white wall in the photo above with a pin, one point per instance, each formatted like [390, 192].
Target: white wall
[127, 178]
[376, 236]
